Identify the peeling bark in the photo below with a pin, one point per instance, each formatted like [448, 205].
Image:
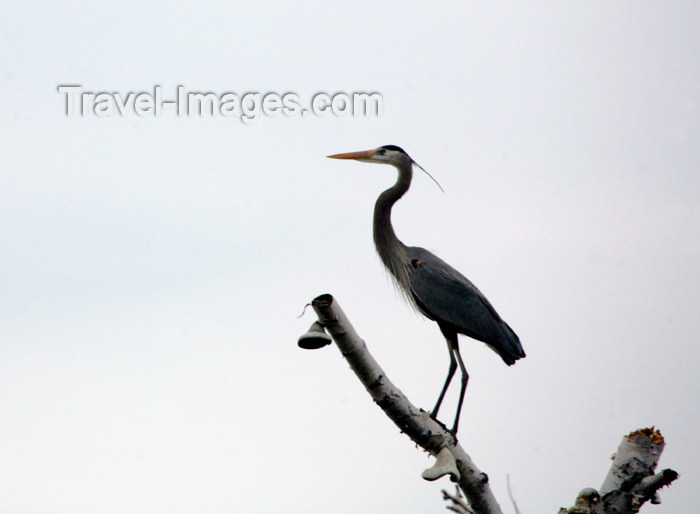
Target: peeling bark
[413, 421]
[631, 480]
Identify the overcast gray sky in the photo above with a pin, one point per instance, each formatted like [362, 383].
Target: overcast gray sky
[152, 268]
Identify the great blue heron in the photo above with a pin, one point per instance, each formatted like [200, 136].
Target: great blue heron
[438, 290]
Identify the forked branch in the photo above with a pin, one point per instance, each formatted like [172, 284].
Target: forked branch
[631, 481]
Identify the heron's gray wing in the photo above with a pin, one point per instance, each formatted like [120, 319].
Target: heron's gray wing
[445, 295]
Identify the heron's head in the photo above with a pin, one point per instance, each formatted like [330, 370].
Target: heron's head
[388, 154]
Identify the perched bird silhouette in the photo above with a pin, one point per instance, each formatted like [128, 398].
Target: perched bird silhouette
[438, 290]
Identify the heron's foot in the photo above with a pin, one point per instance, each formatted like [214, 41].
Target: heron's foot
[433, 416]
[453, 431]
[444, 427]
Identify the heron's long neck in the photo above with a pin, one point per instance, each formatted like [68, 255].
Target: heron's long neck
[390, 249]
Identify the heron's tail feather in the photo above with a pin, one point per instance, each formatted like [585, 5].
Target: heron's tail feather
[509, 347]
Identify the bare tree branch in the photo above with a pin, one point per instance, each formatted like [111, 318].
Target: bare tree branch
[510, 495]
[414, 422]
[631, 481]
[458, 505]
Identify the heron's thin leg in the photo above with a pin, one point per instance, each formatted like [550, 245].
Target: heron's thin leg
[465, 379]
[450, 374]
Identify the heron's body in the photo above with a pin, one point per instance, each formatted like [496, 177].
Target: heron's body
[447, 297]
[438, 290]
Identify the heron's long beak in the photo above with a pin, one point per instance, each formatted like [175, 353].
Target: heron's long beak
[367, 154]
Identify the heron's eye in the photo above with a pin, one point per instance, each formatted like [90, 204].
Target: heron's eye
[381, 151]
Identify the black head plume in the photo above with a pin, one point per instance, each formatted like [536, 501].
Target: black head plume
[394, 148]
[399, 149]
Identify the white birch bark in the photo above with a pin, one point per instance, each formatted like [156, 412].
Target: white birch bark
[631, 481]
[414, 422]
